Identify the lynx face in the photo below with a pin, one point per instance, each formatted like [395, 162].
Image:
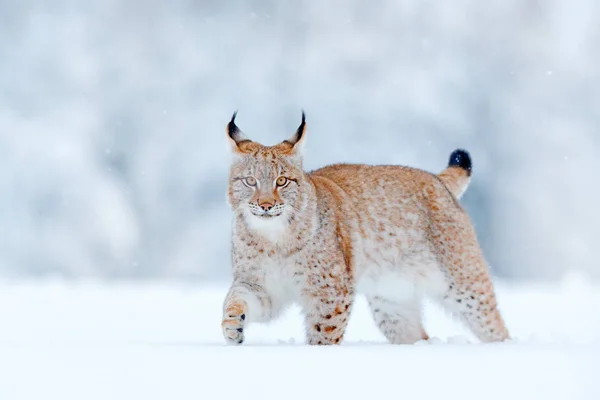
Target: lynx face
[264, 185]
[265, 181]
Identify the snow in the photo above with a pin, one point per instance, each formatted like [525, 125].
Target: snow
[162, 340]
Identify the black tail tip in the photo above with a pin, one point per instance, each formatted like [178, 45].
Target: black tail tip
[460, 158]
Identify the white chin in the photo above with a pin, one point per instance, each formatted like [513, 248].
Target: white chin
[266, 216]
[270, 227]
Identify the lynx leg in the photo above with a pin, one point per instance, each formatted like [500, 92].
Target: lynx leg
[245, 302]
[475, 303]
[328, 303]
[326, 322]
[400, 322]
[470, 292]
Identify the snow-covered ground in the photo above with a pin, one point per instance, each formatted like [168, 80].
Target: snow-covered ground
[62, 340]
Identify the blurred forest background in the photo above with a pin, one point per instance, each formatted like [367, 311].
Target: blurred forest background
[113, 159]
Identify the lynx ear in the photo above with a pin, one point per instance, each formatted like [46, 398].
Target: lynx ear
[235, 135]
[297, 140]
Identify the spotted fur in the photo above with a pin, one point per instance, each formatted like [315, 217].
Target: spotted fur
[393, 233]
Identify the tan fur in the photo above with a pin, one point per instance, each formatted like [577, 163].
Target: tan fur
[393, 233]
[456, 180]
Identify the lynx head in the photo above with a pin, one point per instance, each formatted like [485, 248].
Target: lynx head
[266, 182]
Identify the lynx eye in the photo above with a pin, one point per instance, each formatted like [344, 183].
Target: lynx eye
[282, 181]
[250, 181]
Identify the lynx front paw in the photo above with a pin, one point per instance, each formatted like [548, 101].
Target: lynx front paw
[233, 327]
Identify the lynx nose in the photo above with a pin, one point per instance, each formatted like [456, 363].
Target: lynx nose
[266, 206]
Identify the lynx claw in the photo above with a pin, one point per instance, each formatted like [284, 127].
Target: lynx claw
[233, 328]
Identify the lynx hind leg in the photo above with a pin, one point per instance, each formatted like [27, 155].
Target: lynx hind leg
[400, 322]
[470, 292]
[475, 302]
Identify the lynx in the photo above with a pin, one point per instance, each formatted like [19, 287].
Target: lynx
[393, 233]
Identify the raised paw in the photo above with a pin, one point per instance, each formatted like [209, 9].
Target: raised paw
[233, 327]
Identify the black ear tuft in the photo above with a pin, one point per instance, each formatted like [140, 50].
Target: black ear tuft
[232, 128]
[234, 132]
[461, 158]
[300, 130]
